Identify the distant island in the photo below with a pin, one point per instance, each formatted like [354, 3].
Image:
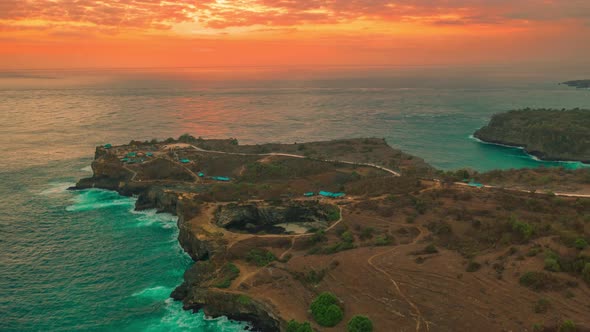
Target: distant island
[548, 134]
[353, 235]
[580, 84]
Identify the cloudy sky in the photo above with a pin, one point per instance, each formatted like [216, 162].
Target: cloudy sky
[195, 33]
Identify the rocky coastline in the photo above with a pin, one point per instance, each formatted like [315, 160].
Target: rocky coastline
[109, 174]
[268, 241]
[550, 135]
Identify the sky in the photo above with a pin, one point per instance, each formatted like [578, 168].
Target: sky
[37, 34]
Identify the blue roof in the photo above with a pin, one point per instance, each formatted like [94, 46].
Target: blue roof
[475, 184]
[201, 174]
[308, 194]
[220, 178]
[108, 146]
[132, 154]
[331, 194]
[184, 161]
[149, 154]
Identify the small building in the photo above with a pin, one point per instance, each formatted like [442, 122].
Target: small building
[309, 194]
[220, 178]
[125, 160]
[331, 194]
[201, 174]
[108, 146]
[185, 161]
[149, 154]
[475, 184]
[132, 154]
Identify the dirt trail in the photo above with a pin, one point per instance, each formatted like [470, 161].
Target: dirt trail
[417, 314]
[293, 238]
[388, 170]
[564, 194]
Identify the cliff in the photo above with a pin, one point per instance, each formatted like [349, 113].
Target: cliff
[544, 133]
[394, 248]
[580, 84]
[109, 173]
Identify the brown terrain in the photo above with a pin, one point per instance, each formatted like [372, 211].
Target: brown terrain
[407, 246]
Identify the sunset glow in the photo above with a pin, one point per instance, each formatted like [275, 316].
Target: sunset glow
[158, 33]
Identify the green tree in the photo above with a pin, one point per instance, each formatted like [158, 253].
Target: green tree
[359, 323]
[326, 310]
[295, 326]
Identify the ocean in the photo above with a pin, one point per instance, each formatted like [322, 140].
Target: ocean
[85, 260]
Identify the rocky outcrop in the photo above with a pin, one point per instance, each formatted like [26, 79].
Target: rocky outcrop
[546, 134]
[195, 293]
[255, 218]
[580, 84]
[108, 173]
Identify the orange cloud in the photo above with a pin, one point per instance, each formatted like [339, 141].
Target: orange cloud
[278, 32]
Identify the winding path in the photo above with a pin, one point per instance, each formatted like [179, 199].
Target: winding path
[417, 314]
[388, 170]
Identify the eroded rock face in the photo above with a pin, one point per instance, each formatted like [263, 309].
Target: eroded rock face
[195, 292]
[219, 303]
[108, 173]
[254, 218]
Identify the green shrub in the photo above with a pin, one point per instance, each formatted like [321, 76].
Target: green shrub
[551, 264]
[333, 213]
[347, 237]
[538, 281]
[383, 240]
[533, 251]
[473, 266]
[567, 326]
[244, 299]
[228, 272]
[340, 246]
[522, 229]
[325, 310]
[295, 326]
[580, 244]
[260, 257]
[541, 306]
[359, 323]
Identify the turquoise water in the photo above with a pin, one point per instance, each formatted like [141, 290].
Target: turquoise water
[87, 261]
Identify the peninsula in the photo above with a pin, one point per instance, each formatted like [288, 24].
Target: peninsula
[547, 134]
[580, 84]
[353, 235]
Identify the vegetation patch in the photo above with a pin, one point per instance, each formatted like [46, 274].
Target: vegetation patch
[260, 257]
[567, 326]
[346, 242]
[359, 323]
[383, 240]
[295, 326]
[244, 299]
[539, 281]
[523, 230]
[326, 310]
[229, 272]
